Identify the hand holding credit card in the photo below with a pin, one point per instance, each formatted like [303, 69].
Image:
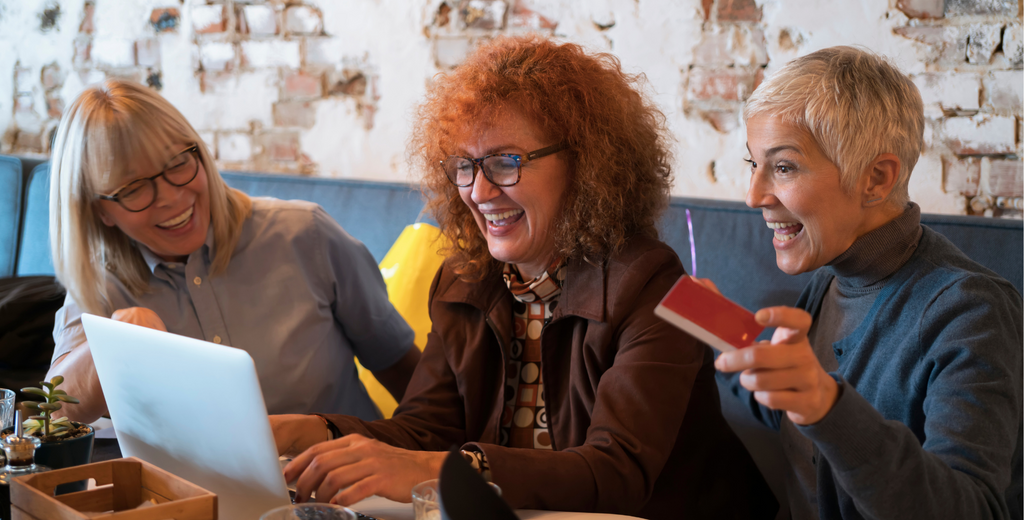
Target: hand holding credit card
[708, 316]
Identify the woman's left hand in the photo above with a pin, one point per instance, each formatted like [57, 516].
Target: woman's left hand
[784, 374]
[347, 470]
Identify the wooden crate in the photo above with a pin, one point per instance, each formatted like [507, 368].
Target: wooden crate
[134, 481]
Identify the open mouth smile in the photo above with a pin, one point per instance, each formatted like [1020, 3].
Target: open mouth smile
[785, 230]
[179, 221]
[504, 218]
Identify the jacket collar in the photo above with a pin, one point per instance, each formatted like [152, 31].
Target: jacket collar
[584, 293]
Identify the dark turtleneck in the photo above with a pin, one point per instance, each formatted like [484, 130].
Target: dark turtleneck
[860, 274]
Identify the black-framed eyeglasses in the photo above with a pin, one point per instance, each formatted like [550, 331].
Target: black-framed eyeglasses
[501, 169]
[141, 193]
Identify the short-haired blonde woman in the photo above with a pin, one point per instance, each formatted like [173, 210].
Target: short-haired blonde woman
[144, 229]
[896, 382]
[547, 169]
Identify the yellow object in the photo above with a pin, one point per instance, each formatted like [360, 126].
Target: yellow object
[408, 269]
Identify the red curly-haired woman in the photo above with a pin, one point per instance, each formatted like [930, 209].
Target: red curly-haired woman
[547, 169]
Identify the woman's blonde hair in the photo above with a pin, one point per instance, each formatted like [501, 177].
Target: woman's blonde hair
[108, 127]
[855, 104]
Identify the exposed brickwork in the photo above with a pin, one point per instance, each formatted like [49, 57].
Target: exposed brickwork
[52, 76]
[301, 85]
[486, 15]
[295, 113]
[217, 56]
[254, 75]
[147, 53]
[982, 40]
[731, 45]
[346, 83]
[981, 7]
[303, 20]
[279, 146]
[264, 54]
[980, 135]
[1006, 178]
[1013, 46]
[949, 91]
[209, 19]
[258, 20]
[973, 93]
[522, 17]
[164, 20]
[961, 175]
[728, 84]
[88, 9]
[1004, 91]
[922, 8]
[738, 11]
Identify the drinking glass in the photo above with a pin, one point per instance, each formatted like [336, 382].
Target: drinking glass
[6, 408]
[425, 503]
[310, 511]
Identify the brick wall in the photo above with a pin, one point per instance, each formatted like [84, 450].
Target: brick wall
[326, 88]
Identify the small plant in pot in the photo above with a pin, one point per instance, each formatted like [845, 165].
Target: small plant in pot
[64, 443]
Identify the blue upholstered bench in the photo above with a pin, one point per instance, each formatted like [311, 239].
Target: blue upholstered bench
[10, 212]
[732, 244]
[373, 212]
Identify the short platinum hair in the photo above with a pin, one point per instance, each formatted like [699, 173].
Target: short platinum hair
[105, 128]
[855, 104]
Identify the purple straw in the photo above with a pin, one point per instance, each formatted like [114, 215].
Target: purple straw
[693, 245]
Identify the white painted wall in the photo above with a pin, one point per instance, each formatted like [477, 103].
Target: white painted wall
[394, 42]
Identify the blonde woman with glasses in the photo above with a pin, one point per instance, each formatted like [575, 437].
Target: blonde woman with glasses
[144, 229]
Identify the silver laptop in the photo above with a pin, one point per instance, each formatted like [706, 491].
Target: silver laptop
[192, 408]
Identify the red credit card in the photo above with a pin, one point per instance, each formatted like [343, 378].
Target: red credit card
[708, 316]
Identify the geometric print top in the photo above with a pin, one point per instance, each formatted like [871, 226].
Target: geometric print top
[524, 421]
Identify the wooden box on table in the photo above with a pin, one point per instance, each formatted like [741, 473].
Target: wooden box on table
[134, 482]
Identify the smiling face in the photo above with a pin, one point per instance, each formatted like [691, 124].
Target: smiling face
[799, 192]
[176, 224]
[517, 221]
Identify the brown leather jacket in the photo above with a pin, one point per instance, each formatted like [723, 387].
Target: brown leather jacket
[632, 405]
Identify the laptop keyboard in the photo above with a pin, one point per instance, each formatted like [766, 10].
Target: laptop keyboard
[291, 492]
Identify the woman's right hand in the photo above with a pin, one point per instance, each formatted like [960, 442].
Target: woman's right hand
[140, 316]
[295, 433]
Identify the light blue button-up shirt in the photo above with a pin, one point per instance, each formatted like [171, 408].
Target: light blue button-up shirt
[300, 295]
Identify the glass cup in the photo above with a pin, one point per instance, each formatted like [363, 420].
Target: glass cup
[310, 511]
[425, 499]
[6, 408]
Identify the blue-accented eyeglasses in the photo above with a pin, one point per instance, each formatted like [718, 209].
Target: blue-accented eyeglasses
[501, 169]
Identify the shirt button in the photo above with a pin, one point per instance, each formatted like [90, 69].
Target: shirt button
[197, 280]
[216, 339]
[172, 265]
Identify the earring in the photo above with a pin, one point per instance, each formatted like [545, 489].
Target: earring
[872, 201]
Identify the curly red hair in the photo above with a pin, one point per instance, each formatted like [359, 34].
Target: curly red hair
[618, 145]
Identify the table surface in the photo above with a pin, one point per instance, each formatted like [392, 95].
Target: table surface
[105, 448]
[384, 509]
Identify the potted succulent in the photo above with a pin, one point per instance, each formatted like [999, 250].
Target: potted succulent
[64, 443]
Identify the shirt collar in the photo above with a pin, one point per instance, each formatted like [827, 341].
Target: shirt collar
[584, 292]
[153, 261]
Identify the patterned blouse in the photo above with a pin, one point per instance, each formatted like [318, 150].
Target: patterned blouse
[524, 422]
